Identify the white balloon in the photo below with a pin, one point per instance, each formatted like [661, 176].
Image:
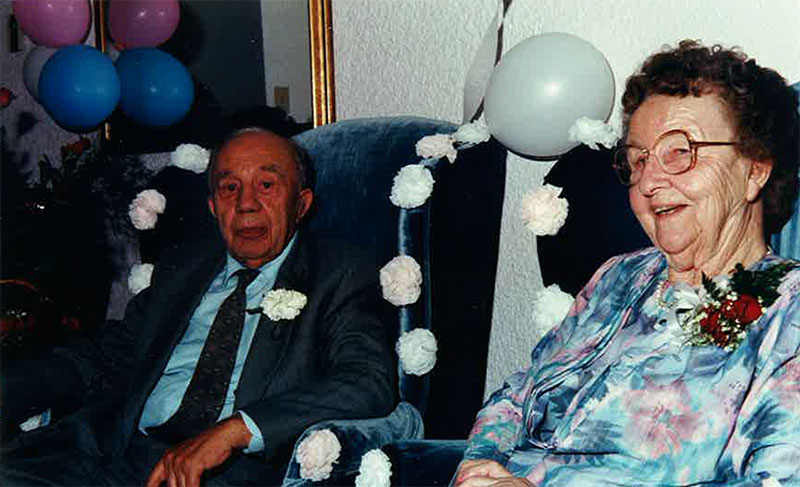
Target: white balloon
[32, 68]
[541, 87]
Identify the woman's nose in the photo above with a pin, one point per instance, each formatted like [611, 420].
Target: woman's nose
[653, 176]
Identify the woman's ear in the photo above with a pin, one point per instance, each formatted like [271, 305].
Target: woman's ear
[759, 174]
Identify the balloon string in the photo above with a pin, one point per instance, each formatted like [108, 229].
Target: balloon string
[498, 53]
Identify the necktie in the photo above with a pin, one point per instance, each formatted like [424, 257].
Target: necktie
[205, 396]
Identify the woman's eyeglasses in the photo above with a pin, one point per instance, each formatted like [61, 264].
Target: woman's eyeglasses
[675, 151]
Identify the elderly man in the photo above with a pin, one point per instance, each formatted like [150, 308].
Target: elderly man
[200, 381]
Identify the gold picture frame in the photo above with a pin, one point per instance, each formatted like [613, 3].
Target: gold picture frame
[322, 67]
[321, 60]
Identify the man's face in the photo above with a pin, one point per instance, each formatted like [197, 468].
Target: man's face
[256, 198]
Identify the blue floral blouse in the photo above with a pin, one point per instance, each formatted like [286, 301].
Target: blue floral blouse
[614, 396]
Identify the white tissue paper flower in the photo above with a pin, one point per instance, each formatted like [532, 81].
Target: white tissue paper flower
[401, 280]
[593, 132]
[417, 351]
[412, 186]
[145, 208]
[139, 277]
[191, 157]
[474, 133]
[437, 146]
[317, 453]
[283, 304]
[543, 212]
[375, 470]
[550, 307]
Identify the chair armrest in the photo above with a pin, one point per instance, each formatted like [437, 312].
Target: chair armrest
[358, 436]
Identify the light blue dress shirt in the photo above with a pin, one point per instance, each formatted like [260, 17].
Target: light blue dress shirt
[168, 393]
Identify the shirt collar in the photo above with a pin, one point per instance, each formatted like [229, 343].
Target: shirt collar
[232, 265]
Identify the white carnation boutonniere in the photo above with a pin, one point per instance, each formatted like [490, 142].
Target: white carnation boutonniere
[412, 186]
[139, 277]
[145, 208]
[436, 147]
[191, 157]
[417, 351]
[475, 132]
[317, 453]
[283, 304]
[593, 132]
[543, 212]
[375, 469]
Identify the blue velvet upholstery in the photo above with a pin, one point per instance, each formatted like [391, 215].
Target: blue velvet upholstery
[786, 243]
[455, 238]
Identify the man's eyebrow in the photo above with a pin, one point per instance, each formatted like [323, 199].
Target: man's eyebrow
[273, 168]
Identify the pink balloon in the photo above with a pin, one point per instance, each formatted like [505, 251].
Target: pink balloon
[53, 23]
[142, 23]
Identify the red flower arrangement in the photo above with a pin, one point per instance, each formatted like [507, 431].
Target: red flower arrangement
[727, 312]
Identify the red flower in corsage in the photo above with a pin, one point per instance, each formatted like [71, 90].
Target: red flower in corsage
[726, 313]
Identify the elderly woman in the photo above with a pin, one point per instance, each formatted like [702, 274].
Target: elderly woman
[678, 364]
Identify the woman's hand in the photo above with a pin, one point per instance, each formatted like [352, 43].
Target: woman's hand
[476, 473]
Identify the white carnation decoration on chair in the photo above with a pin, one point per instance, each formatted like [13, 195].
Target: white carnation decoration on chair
[543, 212]
[473, 133]
[417, 351]
[593, 132]
[139, 277]
[550, 307]
[283, 304]
[317, 453]
[191, 157]
[412, 186]
[401, 280]
[145, 208]
[436, 147]
[375, 470]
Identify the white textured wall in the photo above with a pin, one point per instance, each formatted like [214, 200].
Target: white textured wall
[396, 57]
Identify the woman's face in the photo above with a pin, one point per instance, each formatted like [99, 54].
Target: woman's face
[707, 210]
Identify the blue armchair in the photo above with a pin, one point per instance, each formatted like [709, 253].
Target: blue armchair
[454, 237]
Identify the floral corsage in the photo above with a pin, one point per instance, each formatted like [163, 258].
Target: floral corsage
[283, 304]
[729, 307]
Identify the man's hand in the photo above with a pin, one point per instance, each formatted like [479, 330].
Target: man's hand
[184, 464]
[477, 473]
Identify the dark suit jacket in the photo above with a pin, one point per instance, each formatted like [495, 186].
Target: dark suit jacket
[333, 361]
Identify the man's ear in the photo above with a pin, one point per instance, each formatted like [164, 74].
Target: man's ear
[757, 179]
[304, 201]
[211, 206]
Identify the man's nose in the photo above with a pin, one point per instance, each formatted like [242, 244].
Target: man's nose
[247, 199]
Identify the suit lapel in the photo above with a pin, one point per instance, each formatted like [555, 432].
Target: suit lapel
[272, 337]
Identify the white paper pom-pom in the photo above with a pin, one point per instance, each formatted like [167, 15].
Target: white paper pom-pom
[191, 157]
[401, 280]
[375, 470]
[417, 351]
[139, 277]
[550, 307]
[473, 133]
[412, 186]
[436, 147]
[543, 212]
[593, 132]
[317, 453]
[145, 208]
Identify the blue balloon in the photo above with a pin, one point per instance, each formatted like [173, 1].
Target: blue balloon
[157, 90]
[79, 87]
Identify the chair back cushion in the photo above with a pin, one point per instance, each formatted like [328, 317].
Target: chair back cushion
[454, 237]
